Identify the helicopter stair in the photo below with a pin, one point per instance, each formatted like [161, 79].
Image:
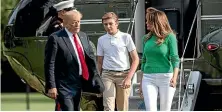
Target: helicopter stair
[136, 103]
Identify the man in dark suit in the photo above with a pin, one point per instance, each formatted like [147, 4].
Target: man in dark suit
[70, 65]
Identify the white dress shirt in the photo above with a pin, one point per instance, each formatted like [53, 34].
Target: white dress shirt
[74, 46]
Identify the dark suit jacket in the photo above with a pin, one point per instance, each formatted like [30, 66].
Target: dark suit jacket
[62, 68]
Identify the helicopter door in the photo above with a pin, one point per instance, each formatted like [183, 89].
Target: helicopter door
[27, 48]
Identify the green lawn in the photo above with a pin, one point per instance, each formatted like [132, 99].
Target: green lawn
[17, 102]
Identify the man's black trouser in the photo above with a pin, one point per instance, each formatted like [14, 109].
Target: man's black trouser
[69, 103]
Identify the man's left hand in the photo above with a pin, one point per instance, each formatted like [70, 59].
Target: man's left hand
[126, 83]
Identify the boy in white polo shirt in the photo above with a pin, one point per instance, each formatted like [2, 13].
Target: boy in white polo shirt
[114, 65]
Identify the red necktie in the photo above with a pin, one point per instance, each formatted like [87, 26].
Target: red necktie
[84, 67]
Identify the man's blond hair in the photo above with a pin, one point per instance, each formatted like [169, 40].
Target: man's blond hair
[110, 15]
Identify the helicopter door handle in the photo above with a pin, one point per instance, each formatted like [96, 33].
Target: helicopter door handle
[10, 41]
[8, 37]
[18, 42]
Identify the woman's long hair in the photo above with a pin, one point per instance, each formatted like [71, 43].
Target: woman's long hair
[160, 24]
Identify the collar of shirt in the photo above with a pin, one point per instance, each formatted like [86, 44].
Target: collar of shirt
[69, 33]
[75, 49]
[117, 35]
[72, 41]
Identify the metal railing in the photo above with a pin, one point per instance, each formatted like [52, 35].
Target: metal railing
[99, 21]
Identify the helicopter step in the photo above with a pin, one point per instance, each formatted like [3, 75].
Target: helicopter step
[137, 103]
[210, 95]
[202, 94]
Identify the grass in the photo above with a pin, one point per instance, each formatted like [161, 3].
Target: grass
[17, 102]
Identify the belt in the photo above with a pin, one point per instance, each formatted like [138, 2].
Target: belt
[115, 70]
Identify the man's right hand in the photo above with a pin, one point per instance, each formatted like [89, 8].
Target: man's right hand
[52, 93]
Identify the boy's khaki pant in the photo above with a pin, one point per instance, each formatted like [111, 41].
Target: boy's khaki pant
[114, 92]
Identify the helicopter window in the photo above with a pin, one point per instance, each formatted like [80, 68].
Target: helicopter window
[30, 15]
[209, 26]
[42, 29]
[122, 14]
[27, 21]
[100, 7]
[13, 14]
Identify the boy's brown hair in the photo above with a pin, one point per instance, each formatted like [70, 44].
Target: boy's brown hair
[110, 15]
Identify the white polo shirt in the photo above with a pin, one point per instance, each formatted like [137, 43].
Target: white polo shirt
[115, 50]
